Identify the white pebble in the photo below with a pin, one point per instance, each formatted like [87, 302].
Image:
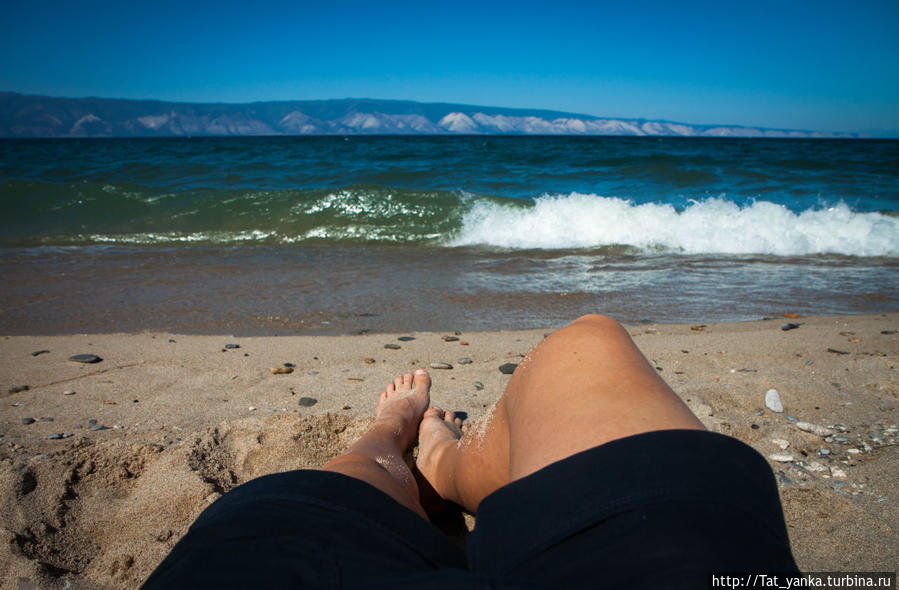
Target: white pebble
[781, 457]
[814, 428]
[783, 444]
[252, 408]
[772, 401]
[68, 392]
[834, 472]
[853, 451]
[815, 467]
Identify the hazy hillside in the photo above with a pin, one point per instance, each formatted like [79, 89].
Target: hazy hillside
[42, 116]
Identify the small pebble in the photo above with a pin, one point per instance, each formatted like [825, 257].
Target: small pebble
[406, 338]
[370, 361]
[232, 346]
[853, 451]
[46, 419]
[441, 365]
[464, 361]
[835, 351]
[392, 346]
[814, 428]
[478, 385]
[835, 472]
[18, 389]
[463, 343]
[783, 479]
[85, 358]
[68, 392]
[282, 370]
[450, 338]
[172, 340]
[28, 421]
[39, 352]
[59, 435]
[787, 327]
[252, 408]
[307, 402]
[888, 332]
[508, 368]
[781, 457]
[783, 444]
[772, 401]
[791, 417]
[824, 452]
[98, 427]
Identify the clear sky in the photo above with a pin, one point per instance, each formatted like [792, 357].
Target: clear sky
[826, 65]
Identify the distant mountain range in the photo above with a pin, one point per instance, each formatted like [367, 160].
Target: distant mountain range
[43, 116]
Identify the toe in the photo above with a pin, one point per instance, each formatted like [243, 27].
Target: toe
[407, 380]
[422, 380]
[458, 422]
[398, 381]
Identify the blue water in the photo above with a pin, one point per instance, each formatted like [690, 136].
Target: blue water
[294, 234]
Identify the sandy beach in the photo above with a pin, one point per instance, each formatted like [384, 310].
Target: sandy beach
[103, 466]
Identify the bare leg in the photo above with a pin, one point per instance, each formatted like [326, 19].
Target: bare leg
[377, 457]
[584, 385]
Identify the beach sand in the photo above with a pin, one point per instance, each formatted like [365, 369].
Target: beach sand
[188, 419]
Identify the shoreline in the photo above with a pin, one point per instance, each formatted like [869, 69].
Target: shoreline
[187, 419]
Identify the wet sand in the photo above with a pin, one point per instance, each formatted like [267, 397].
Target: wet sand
[165, 424]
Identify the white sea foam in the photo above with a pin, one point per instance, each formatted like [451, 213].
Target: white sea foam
[715, 226]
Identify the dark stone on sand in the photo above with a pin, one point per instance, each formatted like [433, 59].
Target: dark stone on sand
[464, 361]
[391, 346]
[232, 346]
[172, 340]
[98, 427]
[835, 351]
[59, 435]
[406, 338]
[18, 389]
[450, 338]
[91, 422]
[888, 332]
[46, 419]
[39, 352]
[27, 421]
[508, 368]
[85, 358]
[307, 402]
[478, 385]
[291, 365]
[786, 327]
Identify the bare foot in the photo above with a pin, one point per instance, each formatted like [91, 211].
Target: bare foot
[438, 440]
[402, 404]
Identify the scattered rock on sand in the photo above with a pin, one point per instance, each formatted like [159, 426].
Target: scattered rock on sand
[282, 370]
[441, 365]
[85, 358]
[232, 346]
[837, 351]
[478, 385]
[783, 444]
[508, 368]
[772, 401]
[814, 428]
[27, 421]
[781, 457]
[18, 389]
[790, 326]
[307, 402]
[392, 346]
[464, 361]
[370, 361]
[450, 338]
[39, 352]
[405, 338]
[59, 435]
[68, 392]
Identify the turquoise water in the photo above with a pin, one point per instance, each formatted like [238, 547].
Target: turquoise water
[295, 234]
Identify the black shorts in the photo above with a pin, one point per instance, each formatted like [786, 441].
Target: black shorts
[656, 510]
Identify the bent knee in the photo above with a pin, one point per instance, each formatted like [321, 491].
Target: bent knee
[596, 320]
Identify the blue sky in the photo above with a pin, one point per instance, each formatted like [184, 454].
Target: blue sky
[826, 65]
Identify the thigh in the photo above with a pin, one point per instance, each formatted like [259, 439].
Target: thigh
[308, 529]
[661, 509]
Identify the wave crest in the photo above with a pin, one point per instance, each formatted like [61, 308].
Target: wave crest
[711, 226]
